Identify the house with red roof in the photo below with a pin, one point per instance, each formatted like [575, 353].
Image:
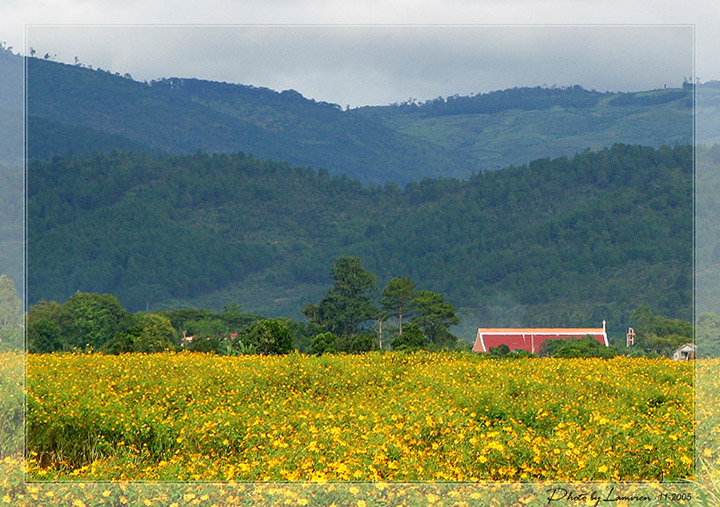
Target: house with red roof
[530, 338]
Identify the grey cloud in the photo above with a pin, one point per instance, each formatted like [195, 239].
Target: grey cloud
[381, 64]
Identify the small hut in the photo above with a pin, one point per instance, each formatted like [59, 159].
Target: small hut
[685, 353]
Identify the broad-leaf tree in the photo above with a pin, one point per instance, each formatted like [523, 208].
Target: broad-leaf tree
[413, 339]
[10, 304]
[11, 335]
[268, 336]
[708, 335]
[91, 319]
[151, 332]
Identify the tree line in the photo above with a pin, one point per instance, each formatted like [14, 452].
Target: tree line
[347, 319]
[348, 306]
[526, 98]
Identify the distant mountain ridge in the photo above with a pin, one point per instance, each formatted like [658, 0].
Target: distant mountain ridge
[514, 126]
[79, 110]
[185, 116]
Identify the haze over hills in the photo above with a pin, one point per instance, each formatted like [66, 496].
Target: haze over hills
[563, 240]
[512, 127]
[454, 136]
[184, 116]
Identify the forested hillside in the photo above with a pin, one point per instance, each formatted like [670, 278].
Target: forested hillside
[73, 109]
[11, 221]
[11, 104]
[569, 241]
[142, 190]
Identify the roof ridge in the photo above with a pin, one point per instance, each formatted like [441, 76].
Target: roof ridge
[518, 329]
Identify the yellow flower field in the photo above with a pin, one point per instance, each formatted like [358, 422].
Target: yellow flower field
[707, 415]
[432, 396]
[373, 417]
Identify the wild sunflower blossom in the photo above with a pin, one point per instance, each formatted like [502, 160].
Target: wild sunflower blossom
[372, 417]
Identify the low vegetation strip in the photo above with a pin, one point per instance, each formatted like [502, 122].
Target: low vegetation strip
[373, 417]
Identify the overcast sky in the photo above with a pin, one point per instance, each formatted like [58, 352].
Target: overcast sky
[433, 48]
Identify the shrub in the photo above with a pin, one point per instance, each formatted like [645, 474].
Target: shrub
[412, 339]
[324, 343]
[583, 347]
[501, 350]
[363, 342]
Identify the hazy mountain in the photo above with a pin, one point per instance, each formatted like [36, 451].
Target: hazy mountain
[146, 207]
[511, 127]
[567, 241]
[184, 116]
[76, 109]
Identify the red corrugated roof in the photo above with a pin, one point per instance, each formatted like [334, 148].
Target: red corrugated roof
[530, 338]
[541, 330]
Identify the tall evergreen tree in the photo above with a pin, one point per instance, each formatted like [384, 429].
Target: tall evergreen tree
[348, 302]
[397, 299]
[434, 316]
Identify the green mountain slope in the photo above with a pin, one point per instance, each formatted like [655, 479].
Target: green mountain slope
[511, 127]
[707, 230]
[11, 222]
[184, 116]
[74, 109]
[556, 242]
[11, 108]
[48, 139]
